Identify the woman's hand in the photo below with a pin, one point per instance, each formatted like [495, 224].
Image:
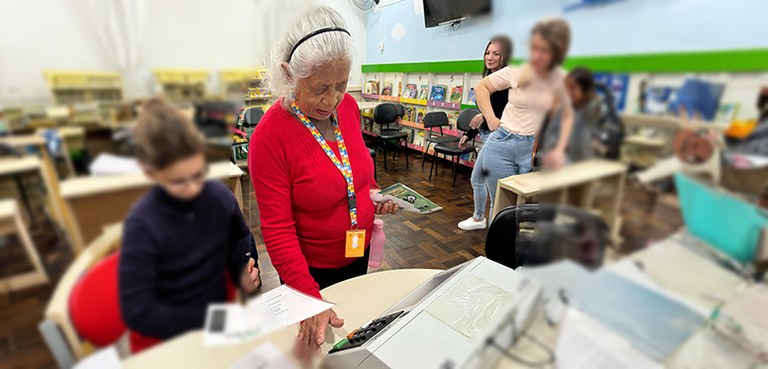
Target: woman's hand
[250, 279]
[554, 159]
[387, 207]
[312, 333]
[463, 140]
[476, 121]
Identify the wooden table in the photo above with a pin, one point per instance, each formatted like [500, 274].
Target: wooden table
[10, 223]
[579, 179]
[22, 142]
[96, 201]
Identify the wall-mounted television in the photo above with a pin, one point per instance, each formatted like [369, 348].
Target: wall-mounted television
[439, 12]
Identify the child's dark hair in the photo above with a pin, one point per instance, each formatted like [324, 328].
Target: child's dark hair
[584, 78]
[164, 135]
[505, 49]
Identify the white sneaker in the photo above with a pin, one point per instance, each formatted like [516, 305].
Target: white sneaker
[470, 224]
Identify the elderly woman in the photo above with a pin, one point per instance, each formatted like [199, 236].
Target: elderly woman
[312, 174]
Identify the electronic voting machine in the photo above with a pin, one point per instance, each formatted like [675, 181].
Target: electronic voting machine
[446, 322]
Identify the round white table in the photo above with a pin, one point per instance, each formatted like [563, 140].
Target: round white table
[358, 300]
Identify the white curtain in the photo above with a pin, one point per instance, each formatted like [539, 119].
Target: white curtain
[119, 25]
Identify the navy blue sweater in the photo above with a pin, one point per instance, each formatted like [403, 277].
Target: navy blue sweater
[175, 257]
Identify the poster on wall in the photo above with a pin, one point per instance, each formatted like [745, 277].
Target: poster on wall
[618, 84]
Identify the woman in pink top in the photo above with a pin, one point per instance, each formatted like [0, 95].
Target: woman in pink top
[535, 88]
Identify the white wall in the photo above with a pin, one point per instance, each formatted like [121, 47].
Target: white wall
[201, 34]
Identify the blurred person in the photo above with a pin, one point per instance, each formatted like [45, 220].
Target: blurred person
[312, 173]
[185, 241]
[535, 88]
[588, 110]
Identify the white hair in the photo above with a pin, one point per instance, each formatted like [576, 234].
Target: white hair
[313, 52]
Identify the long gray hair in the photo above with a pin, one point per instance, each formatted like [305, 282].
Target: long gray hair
[315, 51]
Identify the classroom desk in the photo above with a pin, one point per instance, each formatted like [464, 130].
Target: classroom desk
[96, 201]
[358, 300]
[579, 179]
[16, 165]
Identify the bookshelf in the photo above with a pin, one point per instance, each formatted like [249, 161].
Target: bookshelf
[74, 87]
[258, 94]
[182, 84]
[234, 83]
[416, 91]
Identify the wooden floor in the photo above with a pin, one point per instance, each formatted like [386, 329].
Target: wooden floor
[413, 241]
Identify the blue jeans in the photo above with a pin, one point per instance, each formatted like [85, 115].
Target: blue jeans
[504, 154]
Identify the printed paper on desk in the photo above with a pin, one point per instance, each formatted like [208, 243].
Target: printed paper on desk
[228, 324]
[288, 306]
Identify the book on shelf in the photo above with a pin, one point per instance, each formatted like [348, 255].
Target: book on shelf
[410, 91]
[372, 87]
[387, 90]
[456, 93]
[472, 99]
[423, 91]
[410, 113]
[453, 117]
[438, 93]
[420, 113]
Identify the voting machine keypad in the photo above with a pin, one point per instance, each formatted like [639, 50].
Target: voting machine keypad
[361, 335]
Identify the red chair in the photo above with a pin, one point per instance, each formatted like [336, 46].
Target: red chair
[94, 304]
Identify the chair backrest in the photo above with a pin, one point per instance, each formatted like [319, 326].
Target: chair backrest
[462, 122]
[528, 235]
[400, 109]
[94, 304]
[386, 113]
[436, 119]
[252, 116]
[58, 309]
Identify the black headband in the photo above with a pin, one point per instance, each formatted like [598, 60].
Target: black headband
[313, 34]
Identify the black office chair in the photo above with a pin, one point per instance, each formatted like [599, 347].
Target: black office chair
[453, 148]
[390, 135]
[435, 119]
[529, 235]
[251, 118]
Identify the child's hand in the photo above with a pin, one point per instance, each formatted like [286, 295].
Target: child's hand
[250, 280]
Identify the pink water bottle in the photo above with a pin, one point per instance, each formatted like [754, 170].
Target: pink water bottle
[377, 245]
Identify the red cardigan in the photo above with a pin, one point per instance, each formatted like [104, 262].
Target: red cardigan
[302, 196]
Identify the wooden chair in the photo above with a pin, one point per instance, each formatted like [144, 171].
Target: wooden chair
[10, 223]
[57, 328]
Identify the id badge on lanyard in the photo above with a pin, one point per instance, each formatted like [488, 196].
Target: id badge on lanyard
[355, 238]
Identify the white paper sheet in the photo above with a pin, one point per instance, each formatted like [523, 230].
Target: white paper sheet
[108, 164]
[289, 306]
[275, 309]
[106, 358]
[585, 344]
[266, 356]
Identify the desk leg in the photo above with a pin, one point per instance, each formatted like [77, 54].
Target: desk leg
[615, 220]
[504, 198]
[25, 200]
